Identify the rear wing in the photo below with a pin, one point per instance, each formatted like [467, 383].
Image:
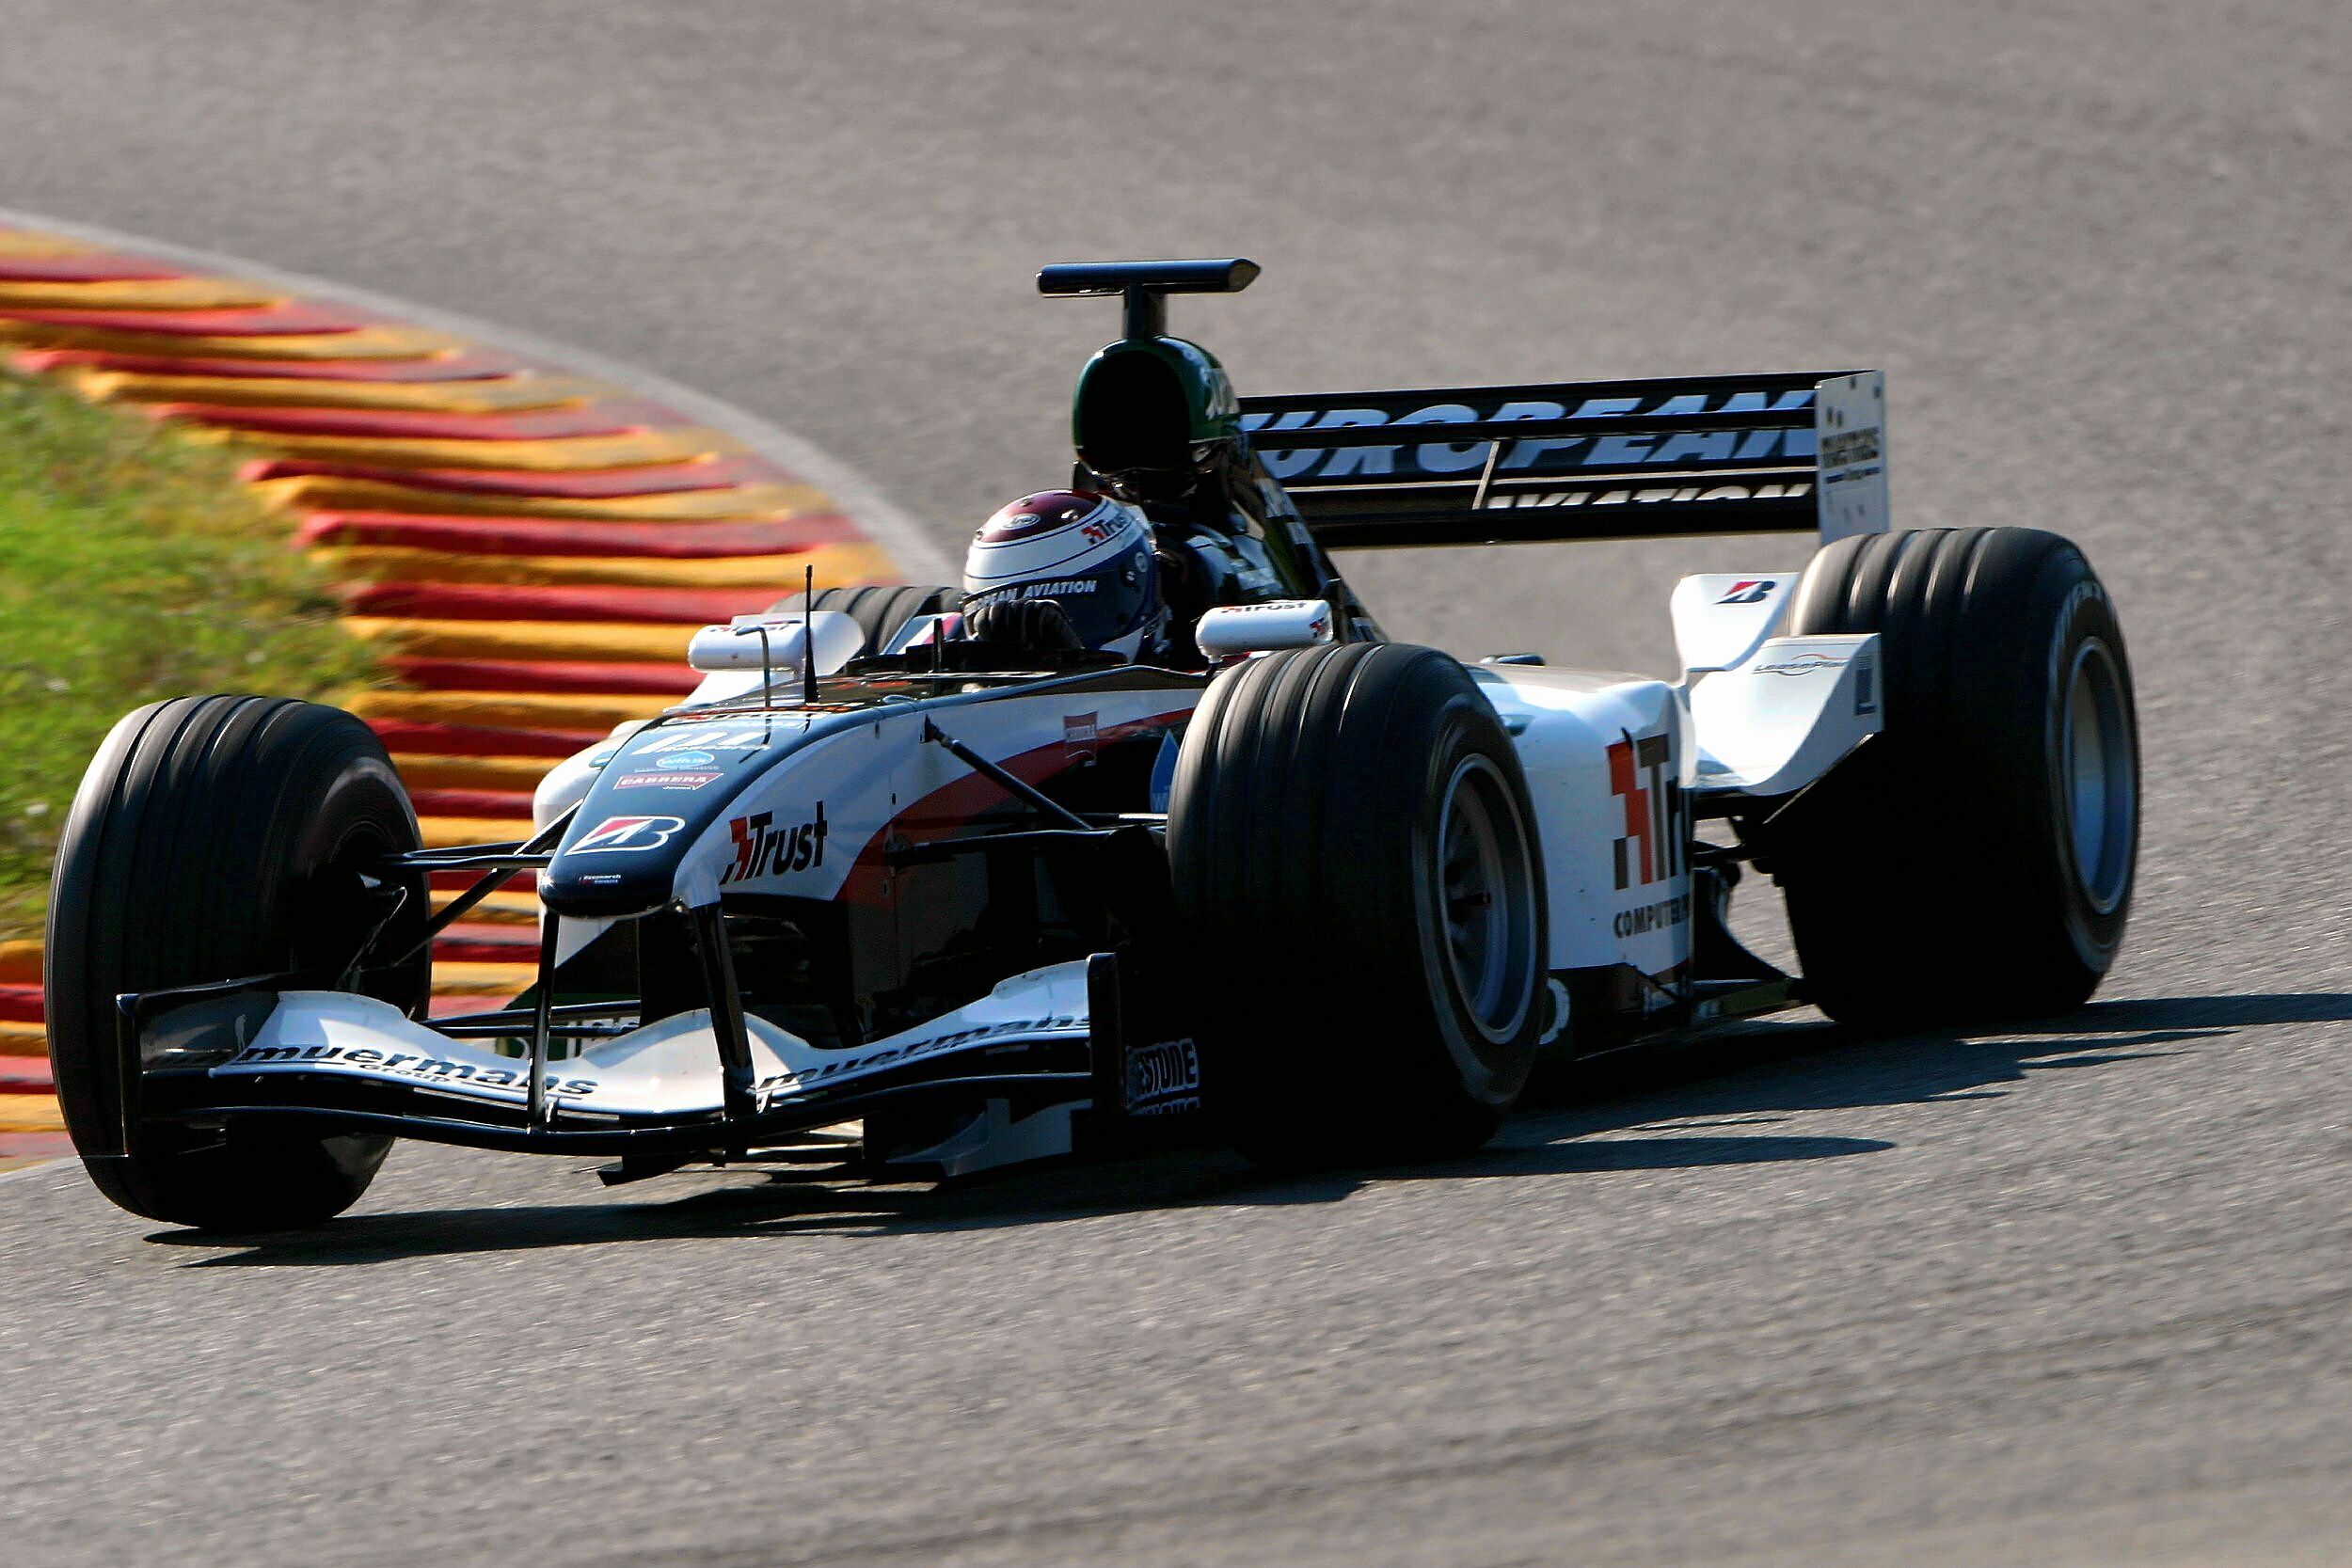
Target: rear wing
[1584, 460]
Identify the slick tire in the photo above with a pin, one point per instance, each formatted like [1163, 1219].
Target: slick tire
[1975, 860]
[1356, 876]
[879, 612]
[215, 838]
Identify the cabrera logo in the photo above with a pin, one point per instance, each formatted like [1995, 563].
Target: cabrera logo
[624, 835]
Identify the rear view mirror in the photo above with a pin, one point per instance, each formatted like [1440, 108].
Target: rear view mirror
[1232, 630]
[778, 642]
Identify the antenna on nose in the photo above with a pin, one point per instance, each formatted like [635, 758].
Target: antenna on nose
[808, 635]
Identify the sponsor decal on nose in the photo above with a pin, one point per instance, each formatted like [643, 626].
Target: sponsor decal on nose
[763, 849]
[666, 781]
[622, 835]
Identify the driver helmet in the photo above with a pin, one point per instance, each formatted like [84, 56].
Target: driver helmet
[1089, 554]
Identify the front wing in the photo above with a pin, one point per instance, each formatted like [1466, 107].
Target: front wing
[1050, 1036]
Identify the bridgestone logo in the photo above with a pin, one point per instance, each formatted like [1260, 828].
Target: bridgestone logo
[1163, 1079]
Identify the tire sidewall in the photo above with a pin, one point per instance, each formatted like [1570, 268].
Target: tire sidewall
[2083, 616]
[1491, 1071]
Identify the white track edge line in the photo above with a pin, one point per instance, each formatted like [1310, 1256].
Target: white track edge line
[909, 542]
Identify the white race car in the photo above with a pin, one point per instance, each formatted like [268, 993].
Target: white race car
[1329, 896]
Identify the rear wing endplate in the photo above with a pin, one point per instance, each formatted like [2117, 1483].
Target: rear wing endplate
[1582, 460]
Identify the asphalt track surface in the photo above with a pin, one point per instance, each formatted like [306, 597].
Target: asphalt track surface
[2078, 1296]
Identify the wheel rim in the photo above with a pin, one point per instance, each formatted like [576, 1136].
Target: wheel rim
[2102, 793]
[1487, 884]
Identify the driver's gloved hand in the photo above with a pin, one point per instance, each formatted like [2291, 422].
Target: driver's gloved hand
[1038, 624]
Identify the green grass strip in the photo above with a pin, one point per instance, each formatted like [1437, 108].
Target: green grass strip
[133, 567]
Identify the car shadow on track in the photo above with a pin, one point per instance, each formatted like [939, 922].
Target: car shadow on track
[1674, 1108]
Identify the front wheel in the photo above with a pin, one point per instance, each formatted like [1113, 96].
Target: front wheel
[1354, 861]
[216, 838]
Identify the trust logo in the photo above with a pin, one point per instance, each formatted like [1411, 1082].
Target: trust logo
[763, 849]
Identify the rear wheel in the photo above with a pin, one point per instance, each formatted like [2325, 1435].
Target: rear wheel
[1354, 862]
[215, 838]
[1977, 858]
[879, 612]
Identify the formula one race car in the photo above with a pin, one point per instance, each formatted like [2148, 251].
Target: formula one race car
[1328, 896]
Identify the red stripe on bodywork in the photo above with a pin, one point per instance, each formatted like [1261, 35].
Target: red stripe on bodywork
[959, 802]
